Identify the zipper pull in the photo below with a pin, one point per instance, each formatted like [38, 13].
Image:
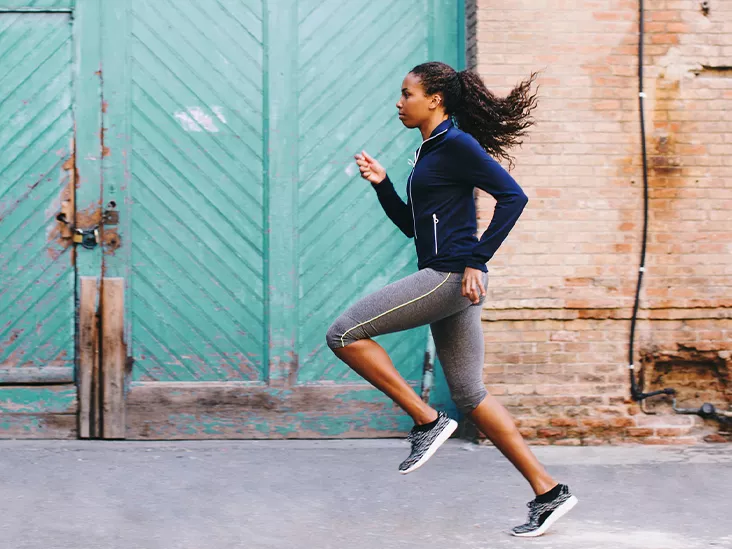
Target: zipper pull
[435, 221]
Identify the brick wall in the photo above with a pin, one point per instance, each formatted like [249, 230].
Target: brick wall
[562, 286]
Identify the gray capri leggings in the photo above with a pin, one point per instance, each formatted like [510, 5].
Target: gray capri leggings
[426, 297]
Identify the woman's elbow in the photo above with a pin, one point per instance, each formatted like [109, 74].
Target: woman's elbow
[523, 199]
[517, 198]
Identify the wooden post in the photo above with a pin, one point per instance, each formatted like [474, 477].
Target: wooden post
[114, 356]
[88, 356]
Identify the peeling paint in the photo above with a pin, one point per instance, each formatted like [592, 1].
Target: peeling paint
[105, 149]
[51, 399]
[89, 216]
[69, 195]
[59, 234]
[222, 411]
[31, 426]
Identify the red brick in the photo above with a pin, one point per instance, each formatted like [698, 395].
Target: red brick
[594, 422]
[671, 431]
[563, 422]
[639, 432]
[621, 422]
[530, 422]
[549, 432]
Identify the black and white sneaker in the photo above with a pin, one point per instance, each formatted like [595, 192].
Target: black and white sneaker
[543, 514]
[425, 442]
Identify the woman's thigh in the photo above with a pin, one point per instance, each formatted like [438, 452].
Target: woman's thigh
[419, 299]
[461, 349]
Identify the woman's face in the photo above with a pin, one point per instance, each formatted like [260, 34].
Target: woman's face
[414, 106]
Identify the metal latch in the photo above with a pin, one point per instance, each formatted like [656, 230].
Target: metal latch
[88, 238]
[110, 215]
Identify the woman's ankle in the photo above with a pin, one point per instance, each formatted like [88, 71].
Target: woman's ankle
[544, 486]
[426, 416]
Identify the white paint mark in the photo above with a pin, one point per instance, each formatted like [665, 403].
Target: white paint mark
[350, 169]
[195, 120]
[204, 120]
[219, 112]
[187, 122]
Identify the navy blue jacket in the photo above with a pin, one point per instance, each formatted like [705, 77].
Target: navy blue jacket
[440, 210]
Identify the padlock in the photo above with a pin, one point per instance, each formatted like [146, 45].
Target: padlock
[88, 238]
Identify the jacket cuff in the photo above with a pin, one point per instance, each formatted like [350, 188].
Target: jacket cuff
[384, 185]
[475, 263]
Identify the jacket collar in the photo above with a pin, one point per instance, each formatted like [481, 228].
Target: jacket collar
[442, 126]
[435, 137]
[427, 144]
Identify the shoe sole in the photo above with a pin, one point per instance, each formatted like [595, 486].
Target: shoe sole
[439, 441]
[559, 512]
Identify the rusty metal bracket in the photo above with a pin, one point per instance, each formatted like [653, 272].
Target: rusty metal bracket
[110, 217]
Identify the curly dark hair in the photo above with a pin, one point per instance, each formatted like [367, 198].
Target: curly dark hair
[496, 123]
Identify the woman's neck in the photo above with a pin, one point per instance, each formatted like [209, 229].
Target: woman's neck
[429, 126]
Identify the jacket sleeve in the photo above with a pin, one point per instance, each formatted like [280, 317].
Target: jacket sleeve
[478, 169]
[395, 208]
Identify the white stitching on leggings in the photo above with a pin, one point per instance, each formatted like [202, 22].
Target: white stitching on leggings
[395, 308]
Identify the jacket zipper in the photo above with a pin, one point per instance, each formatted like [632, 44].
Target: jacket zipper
[435, 222]
[409, 184]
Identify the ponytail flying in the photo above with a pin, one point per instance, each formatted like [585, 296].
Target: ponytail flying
[497, 123]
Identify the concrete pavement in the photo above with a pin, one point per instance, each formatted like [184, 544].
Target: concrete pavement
[348, 494]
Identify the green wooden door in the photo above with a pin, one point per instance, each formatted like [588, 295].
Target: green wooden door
[243, 225]
[37, 397]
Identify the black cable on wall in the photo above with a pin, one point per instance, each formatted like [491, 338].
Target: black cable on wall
[635, 392]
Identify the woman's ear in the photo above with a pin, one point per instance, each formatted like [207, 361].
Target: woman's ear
[436, 101]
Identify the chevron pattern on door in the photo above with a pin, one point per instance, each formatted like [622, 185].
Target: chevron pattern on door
[36, 132]
[197, 293]
[37, 4]
[352, 58]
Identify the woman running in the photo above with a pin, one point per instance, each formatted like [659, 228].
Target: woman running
[448, 290]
